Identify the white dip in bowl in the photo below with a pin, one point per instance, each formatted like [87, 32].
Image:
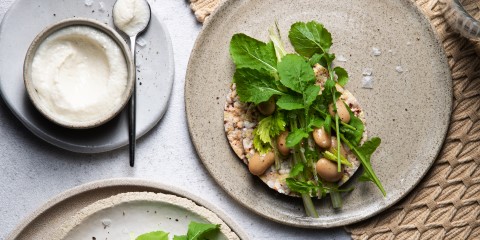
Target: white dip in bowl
[131, 16]
[79, 73]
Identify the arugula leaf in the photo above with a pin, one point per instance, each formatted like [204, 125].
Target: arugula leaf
[328, 124]
[302, 187]
[369, 147]
[308, 187]
[158, 235]
[354, 136]
[342, 76]
[255, 86]
[248, 52]
[315, 122]
[328, 59]
[364, 153]
[317, 58]
[197, 230]
[290, 102]
[295, 73]
[297, 169]
[295, 137]
[311, 94]
[310, 38]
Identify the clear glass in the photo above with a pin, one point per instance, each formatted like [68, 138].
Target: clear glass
[461, 20]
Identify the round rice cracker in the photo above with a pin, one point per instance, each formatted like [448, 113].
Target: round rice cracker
[240, 119]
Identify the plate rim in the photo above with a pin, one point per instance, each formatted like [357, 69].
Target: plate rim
[108, 147]
[123, 182]
[188, 78]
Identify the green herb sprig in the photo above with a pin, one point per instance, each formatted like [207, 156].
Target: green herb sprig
[196, 231]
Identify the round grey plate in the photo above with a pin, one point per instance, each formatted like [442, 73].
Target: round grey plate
[408, 110]
[155, 72]
[47, 220]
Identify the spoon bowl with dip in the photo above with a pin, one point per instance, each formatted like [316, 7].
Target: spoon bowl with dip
[132, 17]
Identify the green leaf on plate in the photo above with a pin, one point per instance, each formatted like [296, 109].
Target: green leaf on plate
[310, 38]
[295, 73]
[248, 52]
[158, 235]
[255, 86]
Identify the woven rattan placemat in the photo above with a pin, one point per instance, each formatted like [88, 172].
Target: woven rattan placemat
[446, 204]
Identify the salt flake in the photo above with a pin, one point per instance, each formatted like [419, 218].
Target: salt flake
[88, 3]
[376, 52]
[102, 7]
[399, 69]
[367, 82]
[367, 72]
[106, 223]
[341, 58]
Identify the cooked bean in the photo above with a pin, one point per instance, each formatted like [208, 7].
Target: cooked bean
[268, 107]
[282, 143]
[334, 146]
[322, 138]
[327, 170]
[258, 164]
[342, 111]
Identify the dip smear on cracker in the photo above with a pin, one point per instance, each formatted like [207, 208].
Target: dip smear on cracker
[289, 118]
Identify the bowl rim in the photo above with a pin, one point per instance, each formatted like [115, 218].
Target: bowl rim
[69, 22]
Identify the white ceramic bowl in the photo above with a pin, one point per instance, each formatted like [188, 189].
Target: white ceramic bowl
[44, 108]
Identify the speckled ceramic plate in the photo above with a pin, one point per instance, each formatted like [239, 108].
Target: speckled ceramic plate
[409, 110]
[103, 199]
[155, 72]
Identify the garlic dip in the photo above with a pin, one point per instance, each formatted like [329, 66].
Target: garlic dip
[80, 74]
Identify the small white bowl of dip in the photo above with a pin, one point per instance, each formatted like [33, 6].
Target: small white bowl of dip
[79, 73]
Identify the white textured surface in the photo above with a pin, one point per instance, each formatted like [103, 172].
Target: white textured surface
[32, 171]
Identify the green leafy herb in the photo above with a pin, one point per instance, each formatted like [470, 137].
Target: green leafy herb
[197, 230]
[342, 76]
[317, 58]
[354, 136]
[309, 187]
[364, 153]
[259, 145]
[297, 169]
[290, 102]
[295, 73]
[158, 235]
[267, 129]
[255, 86]
[311, 94]
[248, 52]
[295, 137]
[271, 127]
[316, 122]
[310, 38]
[303, 187]
[277, 42]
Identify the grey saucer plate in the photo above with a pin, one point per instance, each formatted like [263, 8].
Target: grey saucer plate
[409, 106]
[155, 73]
[47, 220]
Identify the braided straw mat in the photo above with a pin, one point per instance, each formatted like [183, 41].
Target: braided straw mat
[446, 204]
